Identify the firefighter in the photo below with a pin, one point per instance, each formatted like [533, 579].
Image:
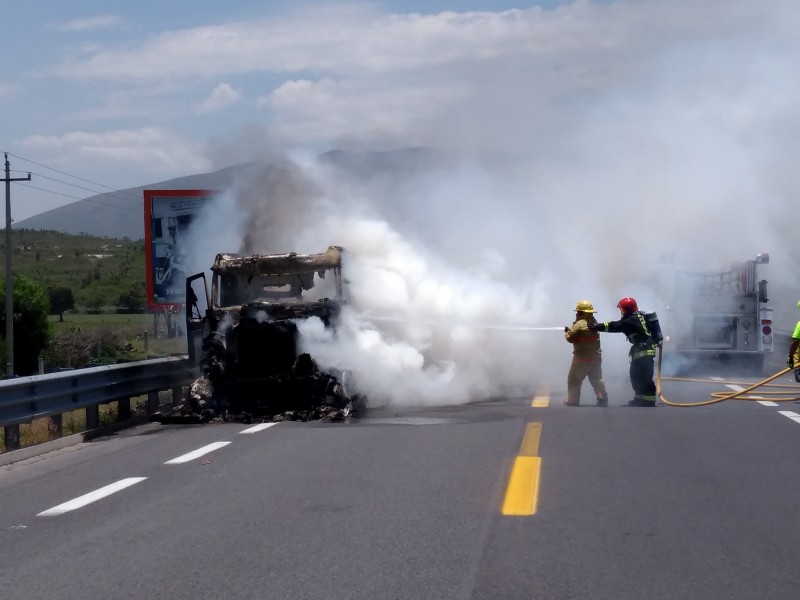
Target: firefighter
[585, 356]
[794, 351]
[643, 350]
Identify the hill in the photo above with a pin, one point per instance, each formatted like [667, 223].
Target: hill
[120, 214]
[99, 271]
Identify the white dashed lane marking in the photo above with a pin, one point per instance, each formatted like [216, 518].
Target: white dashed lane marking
[257, 428]
[792, 415]
[762, 402]
[184, 458]
[117, 486]
[94, 496]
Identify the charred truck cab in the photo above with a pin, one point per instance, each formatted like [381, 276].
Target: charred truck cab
[244, 343]
[723, 315]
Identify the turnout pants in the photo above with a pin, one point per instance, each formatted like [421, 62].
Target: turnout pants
[580, 369]
[641, 373]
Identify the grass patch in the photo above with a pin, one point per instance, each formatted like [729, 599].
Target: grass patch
[82, 340]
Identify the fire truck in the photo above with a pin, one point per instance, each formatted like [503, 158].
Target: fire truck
[720, 315]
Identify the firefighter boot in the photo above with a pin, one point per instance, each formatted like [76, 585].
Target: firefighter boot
[640, 402]
[602, 401]
[572, 402]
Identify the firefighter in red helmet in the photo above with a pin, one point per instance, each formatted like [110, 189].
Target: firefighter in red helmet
[643, 349]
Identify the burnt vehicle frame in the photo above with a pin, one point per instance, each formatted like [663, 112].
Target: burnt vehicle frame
[244, 347]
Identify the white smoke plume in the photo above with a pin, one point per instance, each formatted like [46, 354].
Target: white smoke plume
[557, 166]
[419, 329]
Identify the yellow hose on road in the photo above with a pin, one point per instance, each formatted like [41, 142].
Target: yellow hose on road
[722, 396]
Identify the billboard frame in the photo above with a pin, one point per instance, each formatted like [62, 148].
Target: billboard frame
[161, 299]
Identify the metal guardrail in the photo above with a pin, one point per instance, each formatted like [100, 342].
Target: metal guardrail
[23, 399]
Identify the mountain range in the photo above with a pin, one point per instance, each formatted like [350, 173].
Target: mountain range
[120, 213]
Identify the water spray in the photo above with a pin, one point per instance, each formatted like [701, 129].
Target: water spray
[370, 317]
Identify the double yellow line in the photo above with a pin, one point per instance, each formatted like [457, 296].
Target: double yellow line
[522, 492]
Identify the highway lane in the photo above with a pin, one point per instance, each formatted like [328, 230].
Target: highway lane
[659, 503]
[299, 510]
[632, 503]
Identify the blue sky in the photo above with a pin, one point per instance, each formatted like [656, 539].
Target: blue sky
[128, 93]
[637, 101]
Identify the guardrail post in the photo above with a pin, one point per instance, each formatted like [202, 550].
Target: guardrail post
[177, 395]
[152, 402]
[57, 425]
[93, 416]
[123, 409]
[11, 433]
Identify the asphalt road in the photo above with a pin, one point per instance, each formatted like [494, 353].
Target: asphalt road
[631, 503]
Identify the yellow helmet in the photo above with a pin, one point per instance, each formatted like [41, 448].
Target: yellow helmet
[584, 306]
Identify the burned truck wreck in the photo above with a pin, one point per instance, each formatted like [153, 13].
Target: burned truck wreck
[244, 343]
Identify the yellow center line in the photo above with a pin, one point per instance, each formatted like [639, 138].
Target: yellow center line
[540, 401]
[530, 441]
[522, 492]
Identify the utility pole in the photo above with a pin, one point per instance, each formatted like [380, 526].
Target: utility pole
[9, 275]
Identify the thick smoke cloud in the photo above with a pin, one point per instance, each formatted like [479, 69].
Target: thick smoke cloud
[558, 169]
[421, 328]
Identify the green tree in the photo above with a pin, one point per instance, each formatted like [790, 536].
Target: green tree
[61, 299]
[31, 328]
[133, 300]
[94, 299]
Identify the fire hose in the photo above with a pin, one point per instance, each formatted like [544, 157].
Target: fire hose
[770, 395]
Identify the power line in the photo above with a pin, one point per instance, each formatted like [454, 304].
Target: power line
[91, 200]
[65, 173]
[126, 196]
[80, 187]
[33, 187]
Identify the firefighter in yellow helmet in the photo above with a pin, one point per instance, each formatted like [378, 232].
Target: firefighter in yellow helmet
[794, 351]
[585, 356]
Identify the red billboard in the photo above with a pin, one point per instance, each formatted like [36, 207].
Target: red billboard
[168, 215]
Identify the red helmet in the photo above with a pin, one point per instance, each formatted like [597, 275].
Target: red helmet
[628, 305]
